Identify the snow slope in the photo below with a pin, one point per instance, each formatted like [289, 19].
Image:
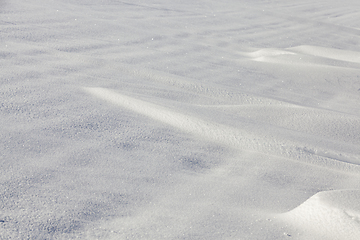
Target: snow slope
[179, 119]
[328, 215]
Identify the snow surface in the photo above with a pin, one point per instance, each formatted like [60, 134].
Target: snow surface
[180, 119]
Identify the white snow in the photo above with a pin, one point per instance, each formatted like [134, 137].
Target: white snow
[328, 215]
[179, 119]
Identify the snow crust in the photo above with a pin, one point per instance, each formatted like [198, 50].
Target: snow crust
[179, 119]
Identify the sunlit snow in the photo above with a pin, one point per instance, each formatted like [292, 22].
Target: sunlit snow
[180, 119]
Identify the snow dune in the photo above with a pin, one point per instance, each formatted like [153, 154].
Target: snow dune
[336, 54]
[229, 136]
[179, 119]
[308, 55]
[328, 215]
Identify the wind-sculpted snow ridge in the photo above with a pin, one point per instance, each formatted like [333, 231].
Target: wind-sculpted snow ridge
[236, 138]
[332, 53]
[264, 55]
[331, 215]
[306, 54]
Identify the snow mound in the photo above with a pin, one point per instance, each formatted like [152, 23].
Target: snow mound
[264, 54]
[332, 53]
[307, 55]
[329, 214]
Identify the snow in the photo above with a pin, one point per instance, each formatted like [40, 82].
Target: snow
[328, 215]
[179, 119]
